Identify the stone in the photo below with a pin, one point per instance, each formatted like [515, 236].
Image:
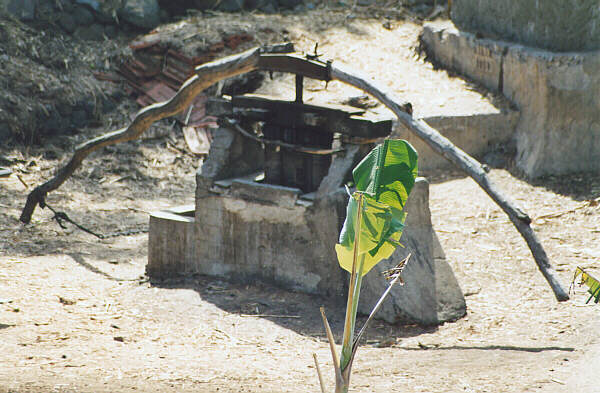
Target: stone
[558, 130]
[83, 16]
[67, 22]
[22, 9]
[141, 13]
[556, 25]
[475, 134]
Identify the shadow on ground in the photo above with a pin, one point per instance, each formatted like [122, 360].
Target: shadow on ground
[296, 311]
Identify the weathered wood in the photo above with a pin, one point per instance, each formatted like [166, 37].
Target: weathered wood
[329, 118]
[295, 64]
[233, 124]
[462, 160]
[206, 75]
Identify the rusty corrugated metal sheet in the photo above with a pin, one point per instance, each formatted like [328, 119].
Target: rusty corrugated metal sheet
[155, 72]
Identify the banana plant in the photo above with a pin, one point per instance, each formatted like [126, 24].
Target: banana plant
[592, 283]
[374, 223]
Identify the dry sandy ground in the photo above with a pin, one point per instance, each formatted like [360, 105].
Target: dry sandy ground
[77, 314]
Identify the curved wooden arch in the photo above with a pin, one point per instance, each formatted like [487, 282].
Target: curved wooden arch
[259, 59]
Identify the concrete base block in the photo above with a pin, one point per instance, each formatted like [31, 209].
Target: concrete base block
[242, 239]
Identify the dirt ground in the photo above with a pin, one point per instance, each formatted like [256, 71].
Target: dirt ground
[77, 314]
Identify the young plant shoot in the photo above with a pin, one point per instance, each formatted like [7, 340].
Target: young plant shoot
[592, 283]
[374, 223]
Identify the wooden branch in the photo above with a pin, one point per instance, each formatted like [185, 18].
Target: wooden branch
[458, 157]
[206, 75]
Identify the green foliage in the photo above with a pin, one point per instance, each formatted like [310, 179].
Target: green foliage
[384, 179]
[371, 232]
[592, 283]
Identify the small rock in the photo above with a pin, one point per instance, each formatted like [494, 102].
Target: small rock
[65, 301]
[141, 13]
[83, 16]
[22, 9]
[94, 32]
[119, 339]
[5, 301]
[385, 343]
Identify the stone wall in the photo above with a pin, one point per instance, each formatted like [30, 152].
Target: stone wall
[557, 94]
[94, 19]
[87, 19]
[557, 25]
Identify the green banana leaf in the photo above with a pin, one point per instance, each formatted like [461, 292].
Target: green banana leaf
[385, 178]
[592, 283]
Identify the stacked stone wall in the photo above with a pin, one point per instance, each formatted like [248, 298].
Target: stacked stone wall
[555, 25]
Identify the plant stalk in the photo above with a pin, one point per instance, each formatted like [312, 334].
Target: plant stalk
[352, 305]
